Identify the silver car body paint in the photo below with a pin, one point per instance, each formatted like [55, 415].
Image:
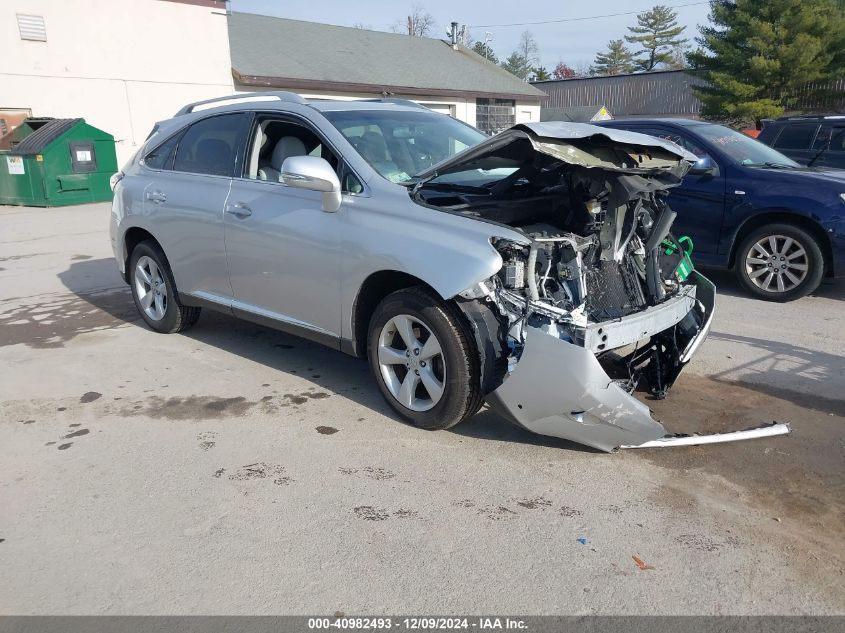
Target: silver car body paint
[582, 403]
[766, 430]
[576, 401]
[291, 264]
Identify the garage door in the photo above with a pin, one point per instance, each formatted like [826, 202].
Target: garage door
[442, 108]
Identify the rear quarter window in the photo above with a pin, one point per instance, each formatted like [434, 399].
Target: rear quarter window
[162, 156]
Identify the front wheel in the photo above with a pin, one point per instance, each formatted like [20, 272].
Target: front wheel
[779, 262]
[424, 360]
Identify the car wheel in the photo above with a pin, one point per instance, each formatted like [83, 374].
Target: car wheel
[779, 262]
[424, 359]
[155, 293]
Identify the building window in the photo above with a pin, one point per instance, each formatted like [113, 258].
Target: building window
[494, 115]
[32, 27]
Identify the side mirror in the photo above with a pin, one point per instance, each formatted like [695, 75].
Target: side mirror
[315, 174]
[705, 167]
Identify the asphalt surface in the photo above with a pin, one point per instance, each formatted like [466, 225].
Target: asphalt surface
[234, 469]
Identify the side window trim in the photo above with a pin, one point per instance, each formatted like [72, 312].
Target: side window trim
[290, 117]
[179, 134]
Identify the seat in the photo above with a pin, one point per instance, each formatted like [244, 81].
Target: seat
[286, 147]
[372, 146]
[213, 157]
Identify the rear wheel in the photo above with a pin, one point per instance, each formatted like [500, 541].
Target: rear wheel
[154, 291]
[779, 262]
[424, 360]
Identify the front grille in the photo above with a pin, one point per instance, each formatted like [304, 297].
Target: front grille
[613, 290]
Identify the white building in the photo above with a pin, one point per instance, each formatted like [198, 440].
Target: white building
[120, 64]
[125, 64]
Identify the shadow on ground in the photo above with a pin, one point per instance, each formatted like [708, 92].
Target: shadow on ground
[820, 372]
[88, 311]
[97, 302]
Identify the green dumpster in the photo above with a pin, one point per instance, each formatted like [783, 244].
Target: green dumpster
[56, 162]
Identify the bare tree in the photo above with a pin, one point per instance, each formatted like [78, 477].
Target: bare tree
[419, 23]
[582, 69]
[528, 48]
[362, 27]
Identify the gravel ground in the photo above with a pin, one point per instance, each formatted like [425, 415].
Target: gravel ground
[234, 469]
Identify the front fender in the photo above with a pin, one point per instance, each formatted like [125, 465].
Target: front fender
[447, 252]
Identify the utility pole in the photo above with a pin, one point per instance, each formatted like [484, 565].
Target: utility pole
[488, 37]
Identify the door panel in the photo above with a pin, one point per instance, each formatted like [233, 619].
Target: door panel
[283, 254]
[187, 213]
[190, 177]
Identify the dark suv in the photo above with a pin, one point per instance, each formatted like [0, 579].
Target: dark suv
[778, 225]
[816, 141]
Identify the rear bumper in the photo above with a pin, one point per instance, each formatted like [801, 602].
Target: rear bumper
[560, 389]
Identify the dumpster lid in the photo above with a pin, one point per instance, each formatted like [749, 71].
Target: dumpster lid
[48, 131]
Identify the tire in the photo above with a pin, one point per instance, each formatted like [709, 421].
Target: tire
[779, 262]
[455, 369]
[148, 272]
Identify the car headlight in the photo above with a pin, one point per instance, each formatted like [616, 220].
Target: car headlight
[842, 197]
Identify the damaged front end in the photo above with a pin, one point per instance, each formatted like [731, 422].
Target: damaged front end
[595, 296]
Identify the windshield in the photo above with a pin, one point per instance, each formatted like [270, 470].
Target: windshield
[400, 144]
[743, 149]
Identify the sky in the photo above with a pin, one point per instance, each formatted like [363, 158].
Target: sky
[574, 42]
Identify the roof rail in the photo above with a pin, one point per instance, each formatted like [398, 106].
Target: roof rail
[406, 102]
[288, 97]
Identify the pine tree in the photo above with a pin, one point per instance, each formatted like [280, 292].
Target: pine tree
[657, 33]
[759, 57]
[616, 60]
[518, 65]
[541, 74]
[485, 51]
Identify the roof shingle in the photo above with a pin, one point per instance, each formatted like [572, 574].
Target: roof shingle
[277, 48]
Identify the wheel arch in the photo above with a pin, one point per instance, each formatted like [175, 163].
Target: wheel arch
[782, 216]
[134, 236]
[375, 288]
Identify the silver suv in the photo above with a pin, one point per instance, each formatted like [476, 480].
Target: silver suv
[533, 270]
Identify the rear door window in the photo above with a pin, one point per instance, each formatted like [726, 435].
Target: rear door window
[834, 134]
[797, 136]
[212, 146]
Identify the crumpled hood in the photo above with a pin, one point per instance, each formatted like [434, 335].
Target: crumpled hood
[578, 144]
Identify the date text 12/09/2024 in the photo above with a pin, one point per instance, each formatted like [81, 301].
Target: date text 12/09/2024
[415, 623]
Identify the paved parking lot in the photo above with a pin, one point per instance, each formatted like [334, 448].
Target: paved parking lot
[234, 469]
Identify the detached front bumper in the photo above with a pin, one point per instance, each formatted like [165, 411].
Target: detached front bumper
[560, 389]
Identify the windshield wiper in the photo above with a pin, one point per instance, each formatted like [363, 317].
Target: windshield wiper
[830, 138]
[773, 165]
[454, 186]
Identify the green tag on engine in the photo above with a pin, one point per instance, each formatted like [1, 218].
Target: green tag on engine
[685, 267]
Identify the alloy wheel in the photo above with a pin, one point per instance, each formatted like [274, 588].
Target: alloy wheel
[777, 263]
[411, 362]
[150, 288]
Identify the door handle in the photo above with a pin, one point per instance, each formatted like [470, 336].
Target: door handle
[156, 196]
[239, 210]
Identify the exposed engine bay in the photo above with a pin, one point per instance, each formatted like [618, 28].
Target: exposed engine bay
[596, 300]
